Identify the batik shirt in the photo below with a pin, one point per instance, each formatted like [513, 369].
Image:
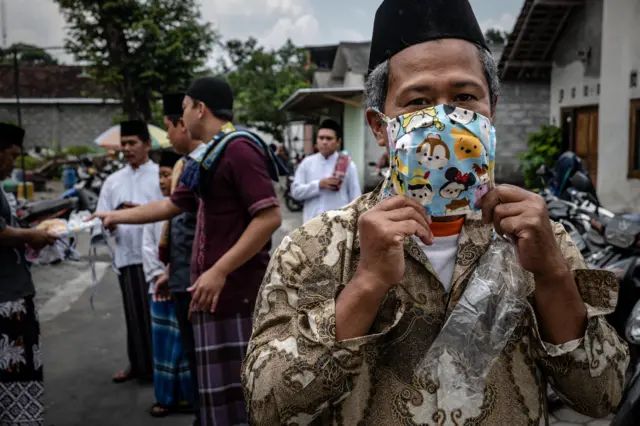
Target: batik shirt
[296, 372]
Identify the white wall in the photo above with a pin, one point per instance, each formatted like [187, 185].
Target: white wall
[620, 55]
[566, 78]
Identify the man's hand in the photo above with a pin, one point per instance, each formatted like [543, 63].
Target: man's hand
[330, 183]
[383, 230]
[109, 219]
[206, 290]
[40, 238]
[161, 291]
[523, 215]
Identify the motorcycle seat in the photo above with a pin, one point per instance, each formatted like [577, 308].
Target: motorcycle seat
[46, 207]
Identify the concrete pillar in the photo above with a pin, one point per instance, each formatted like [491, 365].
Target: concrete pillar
[619, 37]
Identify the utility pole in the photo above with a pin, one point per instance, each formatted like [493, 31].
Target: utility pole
[16, 83]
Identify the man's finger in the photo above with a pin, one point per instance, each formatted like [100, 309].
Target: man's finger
[503, 211]
[410, 227]
[407, 213]
[214, 303]
[400, 201]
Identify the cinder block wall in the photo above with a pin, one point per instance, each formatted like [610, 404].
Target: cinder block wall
[522, 109]
[68, 125]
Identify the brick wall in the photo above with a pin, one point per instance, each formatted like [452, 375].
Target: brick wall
[522, 109]
[68, 125]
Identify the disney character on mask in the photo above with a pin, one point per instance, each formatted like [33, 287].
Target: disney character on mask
[466, 145]
[484, 179]
[421, 190]
[404, 143]
[397, 176]
[485, 129]
[458, 207]
[432, 153]
[460, 115]
[421, 119]
[457, 183]
[395, 130]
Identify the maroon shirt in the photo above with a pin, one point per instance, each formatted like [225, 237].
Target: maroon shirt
[241, 187]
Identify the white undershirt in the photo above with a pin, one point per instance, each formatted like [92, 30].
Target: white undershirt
[442, 256]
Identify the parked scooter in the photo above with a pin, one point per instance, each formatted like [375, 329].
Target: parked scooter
[32, 213]
[292, 204]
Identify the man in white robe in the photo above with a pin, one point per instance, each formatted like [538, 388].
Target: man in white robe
[315, 183]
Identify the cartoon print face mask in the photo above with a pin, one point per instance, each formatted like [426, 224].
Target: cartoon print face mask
[443, 157]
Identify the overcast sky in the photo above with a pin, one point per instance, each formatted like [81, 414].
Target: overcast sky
[306, 22]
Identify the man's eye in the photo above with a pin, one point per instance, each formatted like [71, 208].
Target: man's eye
[420, 102]
[464, 97]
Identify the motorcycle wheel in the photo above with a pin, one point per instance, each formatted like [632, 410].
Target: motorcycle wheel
[293, 205]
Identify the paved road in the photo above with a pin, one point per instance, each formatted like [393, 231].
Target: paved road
[83, 348]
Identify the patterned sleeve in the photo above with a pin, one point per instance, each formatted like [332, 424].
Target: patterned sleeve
[588, 374]
[294, 366]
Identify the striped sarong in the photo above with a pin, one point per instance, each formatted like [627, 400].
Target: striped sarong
[171, 377]
[21, 388]
[137, 313]
[221, 345]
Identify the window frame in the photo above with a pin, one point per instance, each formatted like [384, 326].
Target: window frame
[634, 114]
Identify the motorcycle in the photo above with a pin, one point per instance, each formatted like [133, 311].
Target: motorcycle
[292, 204]
[31, 213]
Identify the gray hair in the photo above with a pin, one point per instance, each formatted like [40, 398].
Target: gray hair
[375, 88]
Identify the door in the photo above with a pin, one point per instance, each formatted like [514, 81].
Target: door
[585, 143]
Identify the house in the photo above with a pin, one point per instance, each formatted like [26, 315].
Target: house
[338, 89]
[588, 53]
[60, 105]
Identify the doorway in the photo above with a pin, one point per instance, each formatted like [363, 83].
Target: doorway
[580, 125]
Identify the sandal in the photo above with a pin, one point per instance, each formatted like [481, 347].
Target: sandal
[157, 410]
[123, 376]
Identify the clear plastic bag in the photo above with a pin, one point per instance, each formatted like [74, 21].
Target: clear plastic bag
[478, 328]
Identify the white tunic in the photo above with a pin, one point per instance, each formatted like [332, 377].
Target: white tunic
[140, 186]
[153, 267]
[306, 186]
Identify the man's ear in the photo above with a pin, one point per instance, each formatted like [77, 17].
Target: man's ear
[378, 126]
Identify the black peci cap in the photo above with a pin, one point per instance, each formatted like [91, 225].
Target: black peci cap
[215, 93]
[10, 135]
[135, 128]
[172, 104]
[169, 158]
[404, 23]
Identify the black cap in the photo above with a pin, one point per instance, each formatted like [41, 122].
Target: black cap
[169, 158]
[135, 128]
[404, 23]
[10, 135]
[215, 93]
[172, 104]
[331, 125]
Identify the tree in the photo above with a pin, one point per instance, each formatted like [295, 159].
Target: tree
[262, 80]
[27, 54]
[496, 36]
[139, 48]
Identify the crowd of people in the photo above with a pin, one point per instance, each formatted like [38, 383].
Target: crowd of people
[333, 328]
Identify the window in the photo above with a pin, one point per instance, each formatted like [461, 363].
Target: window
[634, 141]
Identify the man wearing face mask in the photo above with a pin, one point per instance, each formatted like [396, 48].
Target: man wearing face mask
[353, 300]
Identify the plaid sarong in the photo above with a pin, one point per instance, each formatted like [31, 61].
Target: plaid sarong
[221, 345]
[171, 377]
